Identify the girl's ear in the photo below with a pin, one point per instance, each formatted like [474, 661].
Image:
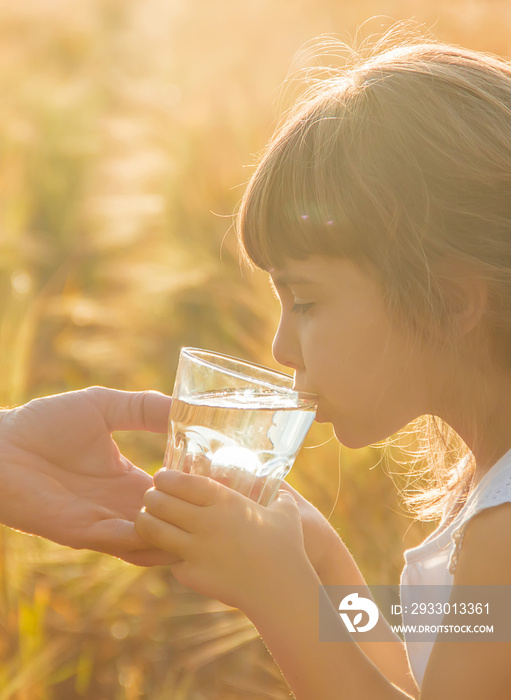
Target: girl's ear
[466, 294]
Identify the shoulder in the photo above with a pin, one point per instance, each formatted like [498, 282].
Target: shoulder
[485, 553]
[458, 670]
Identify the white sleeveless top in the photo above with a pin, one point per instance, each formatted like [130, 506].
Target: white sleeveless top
[434, 561]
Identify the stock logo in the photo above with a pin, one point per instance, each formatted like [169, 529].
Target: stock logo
[357, 604]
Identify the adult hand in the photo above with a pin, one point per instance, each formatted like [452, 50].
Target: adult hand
[63, 477]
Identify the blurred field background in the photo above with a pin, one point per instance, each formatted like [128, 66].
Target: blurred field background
[127, 131]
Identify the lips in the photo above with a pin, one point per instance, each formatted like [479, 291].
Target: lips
[321, 413]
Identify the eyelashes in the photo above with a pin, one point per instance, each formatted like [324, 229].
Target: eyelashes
[301, 308]
[284, 295]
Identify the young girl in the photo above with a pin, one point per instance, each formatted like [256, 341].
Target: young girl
[382, 211]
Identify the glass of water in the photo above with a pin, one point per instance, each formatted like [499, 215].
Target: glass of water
[236, 422]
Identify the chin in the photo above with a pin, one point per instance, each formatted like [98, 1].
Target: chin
[348, 435]
[321, 417]
[353, 441]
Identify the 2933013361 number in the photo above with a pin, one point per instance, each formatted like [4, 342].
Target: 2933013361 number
[461, 608]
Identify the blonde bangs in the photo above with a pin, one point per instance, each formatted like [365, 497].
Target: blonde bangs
[305, 196]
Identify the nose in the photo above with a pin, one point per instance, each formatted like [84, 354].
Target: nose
[286, 347]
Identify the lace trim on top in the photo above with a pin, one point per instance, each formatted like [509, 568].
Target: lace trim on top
[495, 496]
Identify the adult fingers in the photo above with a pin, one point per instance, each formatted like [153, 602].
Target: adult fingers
[108, 535]
[120, 539]
[162, 535]
[132, 410]
[149, 557]
[194, 488]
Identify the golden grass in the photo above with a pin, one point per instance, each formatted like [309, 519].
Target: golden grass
[124, 131]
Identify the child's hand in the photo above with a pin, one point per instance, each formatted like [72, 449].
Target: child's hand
[230, 547]
[317, 532]
[326, 551]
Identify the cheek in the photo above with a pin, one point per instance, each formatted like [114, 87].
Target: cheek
[359, 355]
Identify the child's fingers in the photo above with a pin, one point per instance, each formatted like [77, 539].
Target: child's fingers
[196, 489]
[286, 488]
[162, 535]
[172, 510]
[285, 501]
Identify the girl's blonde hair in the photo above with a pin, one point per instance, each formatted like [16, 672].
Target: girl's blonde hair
[402, 164]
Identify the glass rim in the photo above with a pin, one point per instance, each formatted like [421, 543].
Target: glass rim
[194, 354]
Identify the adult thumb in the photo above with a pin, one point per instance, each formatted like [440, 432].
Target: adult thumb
[132, 410]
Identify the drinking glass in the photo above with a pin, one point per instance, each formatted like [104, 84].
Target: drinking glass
[237, 422]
